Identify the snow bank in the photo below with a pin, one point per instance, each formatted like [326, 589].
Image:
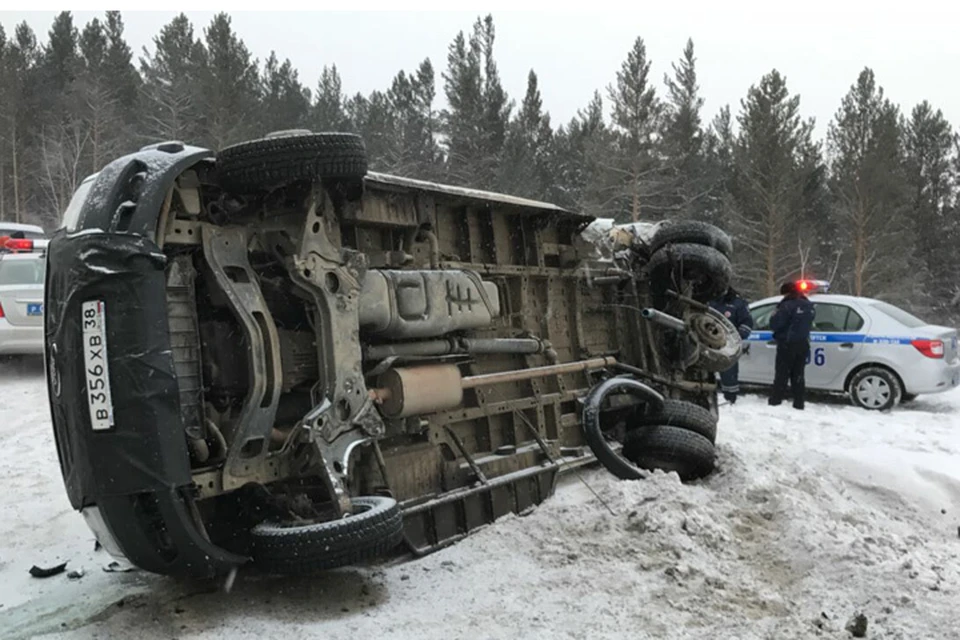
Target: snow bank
[810, 518]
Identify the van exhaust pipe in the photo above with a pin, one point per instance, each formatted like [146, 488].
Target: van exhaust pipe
[663, 319]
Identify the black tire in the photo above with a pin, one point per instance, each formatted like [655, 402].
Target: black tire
[907, 397]
[682, 414]
[670, 449]
[593, 432]
[692, 232]
[272, 162]
[375, 528]
[708, 270]
[875, 389]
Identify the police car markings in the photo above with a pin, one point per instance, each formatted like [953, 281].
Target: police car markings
[855, 338]
[818, 355]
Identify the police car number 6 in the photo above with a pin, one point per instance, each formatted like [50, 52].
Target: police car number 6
[95, 365]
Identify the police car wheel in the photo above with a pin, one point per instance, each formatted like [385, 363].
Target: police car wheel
[875, 389]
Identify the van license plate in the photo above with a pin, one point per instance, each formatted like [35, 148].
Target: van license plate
[95, 365]
[35, 309]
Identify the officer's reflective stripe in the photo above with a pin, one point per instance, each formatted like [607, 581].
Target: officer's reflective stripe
[855, 338]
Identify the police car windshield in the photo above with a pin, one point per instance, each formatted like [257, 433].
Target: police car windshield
[901, 316]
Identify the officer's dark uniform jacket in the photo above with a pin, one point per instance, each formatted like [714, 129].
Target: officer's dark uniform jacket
[791, 324]
[792, 321]
[735, 309]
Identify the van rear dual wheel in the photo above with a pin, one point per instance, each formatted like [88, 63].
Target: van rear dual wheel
[682, 445]
[668, 448]
[682, 414]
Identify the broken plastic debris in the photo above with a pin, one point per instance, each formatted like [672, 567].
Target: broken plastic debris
[116, 567]
[38, 572]
[76, 574]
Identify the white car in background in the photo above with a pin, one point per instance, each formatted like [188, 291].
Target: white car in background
[877, 353]
[21, 303]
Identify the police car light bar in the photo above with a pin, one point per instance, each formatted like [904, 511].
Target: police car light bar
[813, 286]
[16, 244]
[22, 245]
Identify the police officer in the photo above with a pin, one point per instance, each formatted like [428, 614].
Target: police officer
[791, 323]
[735, 309]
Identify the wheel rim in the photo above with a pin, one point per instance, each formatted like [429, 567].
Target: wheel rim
[288, 132]
[327, 515]
[874, 392]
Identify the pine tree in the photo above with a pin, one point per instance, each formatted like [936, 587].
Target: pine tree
[637, 181]
[870, 193]
[462, 123]
[932, 181]
[60, 60]
[682, 141]
[817, 241]
[286, 103]
[581, 151]
[118, 66]
[329, 109]
[20, 100]
[720, 206]
[99, 96]
[5, 52]
[525, 170]
[373, 119]
[63, 139]
[496, 106]
[171, 81]
[476, 123]
[773, 156]
[414, 152]
[229, 88]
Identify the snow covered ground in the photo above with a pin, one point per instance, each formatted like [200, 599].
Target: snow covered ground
[810, 518]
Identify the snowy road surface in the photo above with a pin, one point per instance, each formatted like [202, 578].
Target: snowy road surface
[810, 518]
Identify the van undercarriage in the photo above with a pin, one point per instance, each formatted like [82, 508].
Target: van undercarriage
[338, 361]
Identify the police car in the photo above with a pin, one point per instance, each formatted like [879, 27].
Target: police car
[877, 353]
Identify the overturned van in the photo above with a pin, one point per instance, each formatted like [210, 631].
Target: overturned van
[272, 355]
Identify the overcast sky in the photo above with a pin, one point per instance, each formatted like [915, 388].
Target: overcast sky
[820, 47]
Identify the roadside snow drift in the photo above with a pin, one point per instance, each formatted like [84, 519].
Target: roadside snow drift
[810, 519]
